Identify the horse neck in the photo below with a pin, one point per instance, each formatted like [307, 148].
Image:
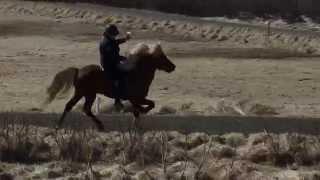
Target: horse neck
[144, 73]
[147, 71]
[147, 68]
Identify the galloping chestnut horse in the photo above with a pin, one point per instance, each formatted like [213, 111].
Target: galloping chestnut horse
[90, 80]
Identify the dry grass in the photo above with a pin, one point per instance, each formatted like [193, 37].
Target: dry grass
[293, 148]
[19, 143]
[23, 143]
[77, 146]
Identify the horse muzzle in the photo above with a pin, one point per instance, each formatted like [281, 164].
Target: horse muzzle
[170, 69]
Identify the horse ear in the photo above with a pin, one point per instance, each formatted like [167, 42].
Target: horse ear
[157, 50]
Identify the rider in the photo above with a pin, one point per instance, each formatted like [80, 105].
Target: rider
[110, 60]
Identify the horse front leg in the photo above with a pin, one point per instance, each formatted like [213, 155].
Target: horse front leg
[144, 102]
[150, 105]
[138, 108]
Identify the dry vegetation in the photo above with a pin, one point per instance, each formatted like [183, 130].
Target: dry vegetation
[133, 154]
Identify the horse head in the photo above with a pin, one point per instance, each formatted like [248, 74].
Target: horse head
[154, 55]
[161, 60]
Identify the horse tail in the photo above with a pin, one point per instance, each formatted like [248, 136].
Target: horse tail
[62, 83]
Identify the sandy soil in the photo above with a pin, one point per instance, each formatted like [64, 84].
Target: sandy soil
[215, 68]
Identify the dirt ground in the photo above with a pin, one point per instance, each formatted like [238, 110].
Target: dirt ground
[209, 74]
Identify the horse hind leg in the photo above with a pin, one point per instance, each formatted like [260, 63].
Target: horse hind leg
[89, 100]
[72, 102]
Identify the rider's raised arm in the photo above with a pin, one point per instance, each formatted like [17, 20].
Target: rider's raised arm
[121, 40]
[125, 39]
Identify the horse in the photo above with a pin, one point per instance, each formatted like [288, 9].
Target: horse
[88, 81]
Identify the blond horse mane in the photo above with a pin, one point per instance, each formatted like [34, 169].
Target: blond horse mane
[144, 49]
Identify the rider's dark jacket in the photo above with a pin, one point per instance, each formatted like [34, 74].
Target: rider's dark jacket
[110, 55]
